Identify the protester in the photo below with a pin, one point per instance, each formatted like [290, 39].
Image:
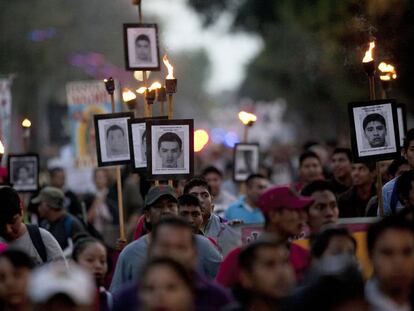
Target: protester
[166, 285]
[38, 243]
[333, 242]
[213, 226]
[53, 287]
[189, 208]
[65, 227]
[173, 238]
[221, 198]
[160, 202]
[353, 203]
[57, 179]
[324, 210]
[15, 268]
[404, 189]
[341, 163]
[310, 169]
[390, 201]
[246, 208]
[390, 244]
[285, 218]
[266, 275]
[92, 255]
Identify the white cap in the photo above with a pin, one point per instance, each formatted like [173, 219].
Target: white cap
[55, 278]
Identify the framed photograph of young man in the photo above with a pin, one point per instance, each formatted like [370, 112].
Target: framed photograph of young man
[374, 130]
[245, 160]
[138, 142]
[112, 143]
[141, 47]
[24, 172]
[402, 121]
[170, 149]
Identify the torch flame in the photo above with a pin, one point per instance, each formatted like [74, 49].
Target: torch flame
[26, 123]
[388, 70]
[169, 67]
[155, 85]
[141, 90]
[1, 148]
[246, 117]
[128, 95]
[368, 54]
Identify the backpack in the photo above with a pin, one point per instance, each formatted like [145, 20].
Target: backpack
[35, 236]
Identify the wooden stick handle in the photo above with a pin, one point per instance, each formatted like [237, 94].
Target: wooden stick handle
[120, 204]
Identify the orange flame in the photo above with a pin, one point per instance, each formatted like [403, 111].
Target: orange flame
[155, 85]
[388, 70]
[128, 95]
[141, 90]
[368, 54]
[26, 123]
[169, 67]
[201, 139]
[1, 148]
[247, 118]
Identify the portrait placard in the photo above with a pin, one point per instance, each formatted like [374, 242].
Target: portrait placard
[170, 149]
[138, 142]
[374, 130]
[141, 47]
[112, 144]
[402, 121]
[23, 172]
[246, 161]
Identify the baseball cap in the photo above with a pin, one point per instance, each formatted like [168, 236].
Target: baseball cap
[56, 278]
[282, 197]
[157, 192]
[50, 195]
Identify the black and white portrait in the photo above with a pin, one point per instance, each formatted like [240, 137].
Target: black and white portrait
[141, 47]
[112, 138]
[246, 161]
[375, 129]
[24, 172]
[171, 144]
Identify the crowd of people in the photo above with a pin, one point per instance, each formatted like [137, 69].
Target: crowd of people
[186, 246]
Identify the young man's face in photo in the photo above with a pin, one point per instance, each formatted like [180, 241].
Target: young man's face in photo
[142, 50]
[23, 174]
[169, 152]
[116, 141]
[375, 133]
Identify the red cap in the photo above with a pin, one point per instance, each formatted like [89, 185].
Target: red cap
[282, 197]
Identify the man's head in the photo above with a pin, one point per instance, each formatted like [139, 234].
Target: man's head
[214, 177]
[390, 244]
[115, 137]
[160, 201]
[57, 177]
[189, 208]
[169, 149]
[50, 200]
[11, 214]
[173, 237]
[310, 167]
[256, 184]
[405, 188]
[143, 48]
[375, 129]
[324, 210]
[199, 188]
[397, 167]
[341, 162]
[265, 269]
[363, 173]
[408, 148]
[284, 210]
[333, 242]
